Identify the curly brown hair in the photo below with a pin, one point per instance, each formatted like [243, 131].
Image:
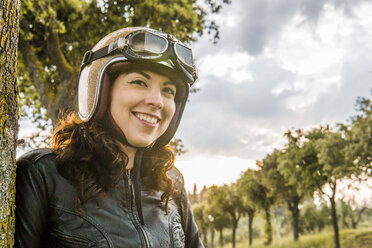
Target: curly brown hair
[93, 159]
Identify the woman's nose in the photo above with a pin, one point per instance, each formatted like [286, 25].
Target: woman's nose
[154, 98]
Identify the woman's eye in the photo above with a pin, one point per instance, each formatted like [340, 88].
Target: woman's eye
[170, 91]
[138, 82]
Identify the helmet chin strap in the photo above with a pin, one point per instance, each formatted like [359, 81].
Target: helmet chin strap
[114, 128]
[117, 132]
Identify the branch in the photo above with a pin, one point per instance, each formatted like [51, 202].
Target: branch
[289, 203]
[65, 70]
[320, 188]
[66, 91]
[31, 62]
[360, 212]
[333, 186]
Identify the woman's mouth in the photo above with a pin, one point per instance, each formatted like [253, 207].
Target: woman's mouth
[147, 119]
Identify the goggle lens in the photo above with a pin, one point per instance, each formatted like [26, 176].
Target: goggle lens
[184, 54]
[148, 43]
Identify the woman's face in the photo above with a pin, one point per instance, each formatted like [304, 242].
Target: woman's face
[142, 105]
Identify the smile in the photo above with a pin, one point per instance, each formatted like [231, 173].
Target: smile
[147, 118]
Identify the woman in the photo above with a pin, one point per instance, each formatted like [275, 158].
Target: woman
[109, 179]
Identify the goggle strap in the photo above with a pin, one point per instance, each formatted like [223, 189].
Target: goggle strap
[90, 56]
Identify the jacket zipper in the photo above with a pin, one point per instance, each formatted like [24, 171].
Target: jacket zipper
[130, 185]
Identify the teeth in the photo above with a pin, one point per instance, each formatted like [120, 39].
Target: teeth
[147, 118]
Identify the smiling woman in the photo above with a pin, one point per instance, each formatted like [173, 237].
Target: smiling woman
[109, 179]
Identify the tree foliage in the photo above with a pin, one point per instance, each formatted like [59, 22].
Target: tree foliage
[359, 135]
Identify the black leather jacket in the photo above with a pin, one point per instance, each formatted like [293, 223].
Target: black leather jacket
[45, 214]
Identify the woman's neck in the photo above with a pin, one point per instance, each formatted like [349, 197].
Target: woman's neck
[131, 153]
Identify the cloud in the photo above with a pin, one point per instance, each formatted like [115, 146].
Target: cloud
[252, 25]
[262, 21]
[312, 9]
[229, 118]
[278, 66]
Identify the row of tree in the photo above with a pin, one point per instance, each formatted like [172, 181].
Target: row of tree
[311, 162]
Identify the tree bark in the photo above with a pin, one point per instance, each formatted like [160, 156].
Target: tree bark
[9, 26]
[334, 217]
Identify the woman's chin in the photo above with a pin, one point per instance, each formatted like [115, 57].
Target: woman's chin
[141, 143]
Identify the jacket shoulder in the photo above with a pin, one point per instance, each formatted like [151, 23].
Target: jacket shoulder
[177, 181]
[40, 159]
[35, 155]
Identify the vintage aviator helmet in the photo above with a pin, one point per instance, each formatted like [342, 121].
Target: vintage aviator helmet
[129, 49]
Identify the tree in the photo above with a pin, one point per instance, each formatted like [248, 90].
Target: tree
[178, 146]
[247, 202]
[200, 216]
[351, 212]
[55, 34]
[218, 220]
[285, 171]
[9, 24]
[333, 166]
[261, 196]
[225, 199]
[313, 218]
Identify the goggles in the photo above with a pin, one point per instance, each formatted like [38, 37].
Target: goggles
[150, 46]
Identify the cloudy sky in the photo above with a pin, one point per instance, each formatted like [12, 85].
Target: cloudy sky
[278, 65]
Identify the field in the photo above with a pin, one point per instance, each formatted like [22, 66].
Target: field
[349, 238]
[360, 238]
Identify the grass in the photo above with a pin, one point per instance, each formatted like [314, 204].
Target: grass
[349, 238]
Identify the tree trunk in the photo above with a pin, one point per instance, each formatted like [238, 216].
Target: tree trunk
[234, 227]
[354, 223]
[292, 204]
[344, 215]
[295, 217]
[212, 236]
[205, 240]
[334, 219]
[250, 222]
[9, 19]
[221, 237]
[268, 228]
